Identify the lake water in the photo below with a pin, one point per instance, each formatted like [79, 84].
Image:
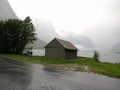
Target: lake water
[104, 56]
[19, 75]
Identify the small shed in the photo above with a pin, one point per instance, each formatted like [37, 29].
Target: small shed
[59, 48]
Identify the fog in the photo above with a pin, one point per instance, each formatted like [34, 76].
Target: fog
[105, 33]
[94, 37]
[44, 29]
[104, 30]
[88, 24]
[104, 37]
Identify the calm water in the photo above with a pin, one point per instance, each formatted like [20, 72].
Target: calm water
[104, 56]
[16, 75]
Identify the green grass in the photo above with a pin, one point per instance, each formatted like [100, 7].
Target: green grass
[109, 69]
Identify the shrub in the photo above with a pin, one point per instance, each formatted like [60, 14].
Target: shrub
[96, 56]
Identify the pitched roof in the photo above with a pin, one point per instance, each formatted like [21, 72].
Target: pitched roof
[66, 44]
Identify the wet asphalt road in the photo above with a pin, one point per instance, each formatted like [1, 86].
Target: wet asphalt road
[14, 75]
[19, 75]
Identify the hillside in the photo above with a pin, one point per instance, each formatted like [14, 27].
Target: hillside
[39, 44]
[6, 11]
[116, 48]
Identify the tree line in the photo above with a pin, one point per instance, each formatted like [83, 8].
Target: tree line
[15, 34]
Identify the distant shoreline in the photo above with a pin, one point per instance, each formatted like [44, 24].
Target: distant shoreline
[104, 56]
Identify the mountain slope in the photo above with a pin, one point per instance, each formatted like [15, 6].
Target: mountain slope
[39, 44]
[116, 48]
[6, 11]
[45, 30]
[81, 41]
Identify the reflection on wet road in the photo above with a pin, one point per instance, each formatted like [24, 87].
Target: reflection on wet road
[14, 75]
[18, 75]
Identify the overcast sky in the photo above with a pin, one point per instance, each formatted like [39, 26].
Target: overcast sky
[70, 15]
[97, 19]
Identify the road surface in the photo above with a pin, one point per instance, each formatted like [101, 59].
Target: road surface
[19, 75]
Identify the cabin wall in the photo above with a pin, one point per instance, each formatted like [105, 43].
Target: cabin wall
[54, 49]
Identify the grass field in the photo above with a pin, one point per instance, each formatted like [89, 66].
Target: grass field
[78, 64]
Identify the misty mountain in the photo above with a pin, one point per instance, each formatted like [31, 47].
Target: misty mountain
[104, 37]
[39, 44]
[45, 30]
[116, 48]
[81, 41]
[6, 11]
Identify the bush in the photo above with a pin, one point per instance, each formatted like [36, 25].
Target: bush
[96, 56]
